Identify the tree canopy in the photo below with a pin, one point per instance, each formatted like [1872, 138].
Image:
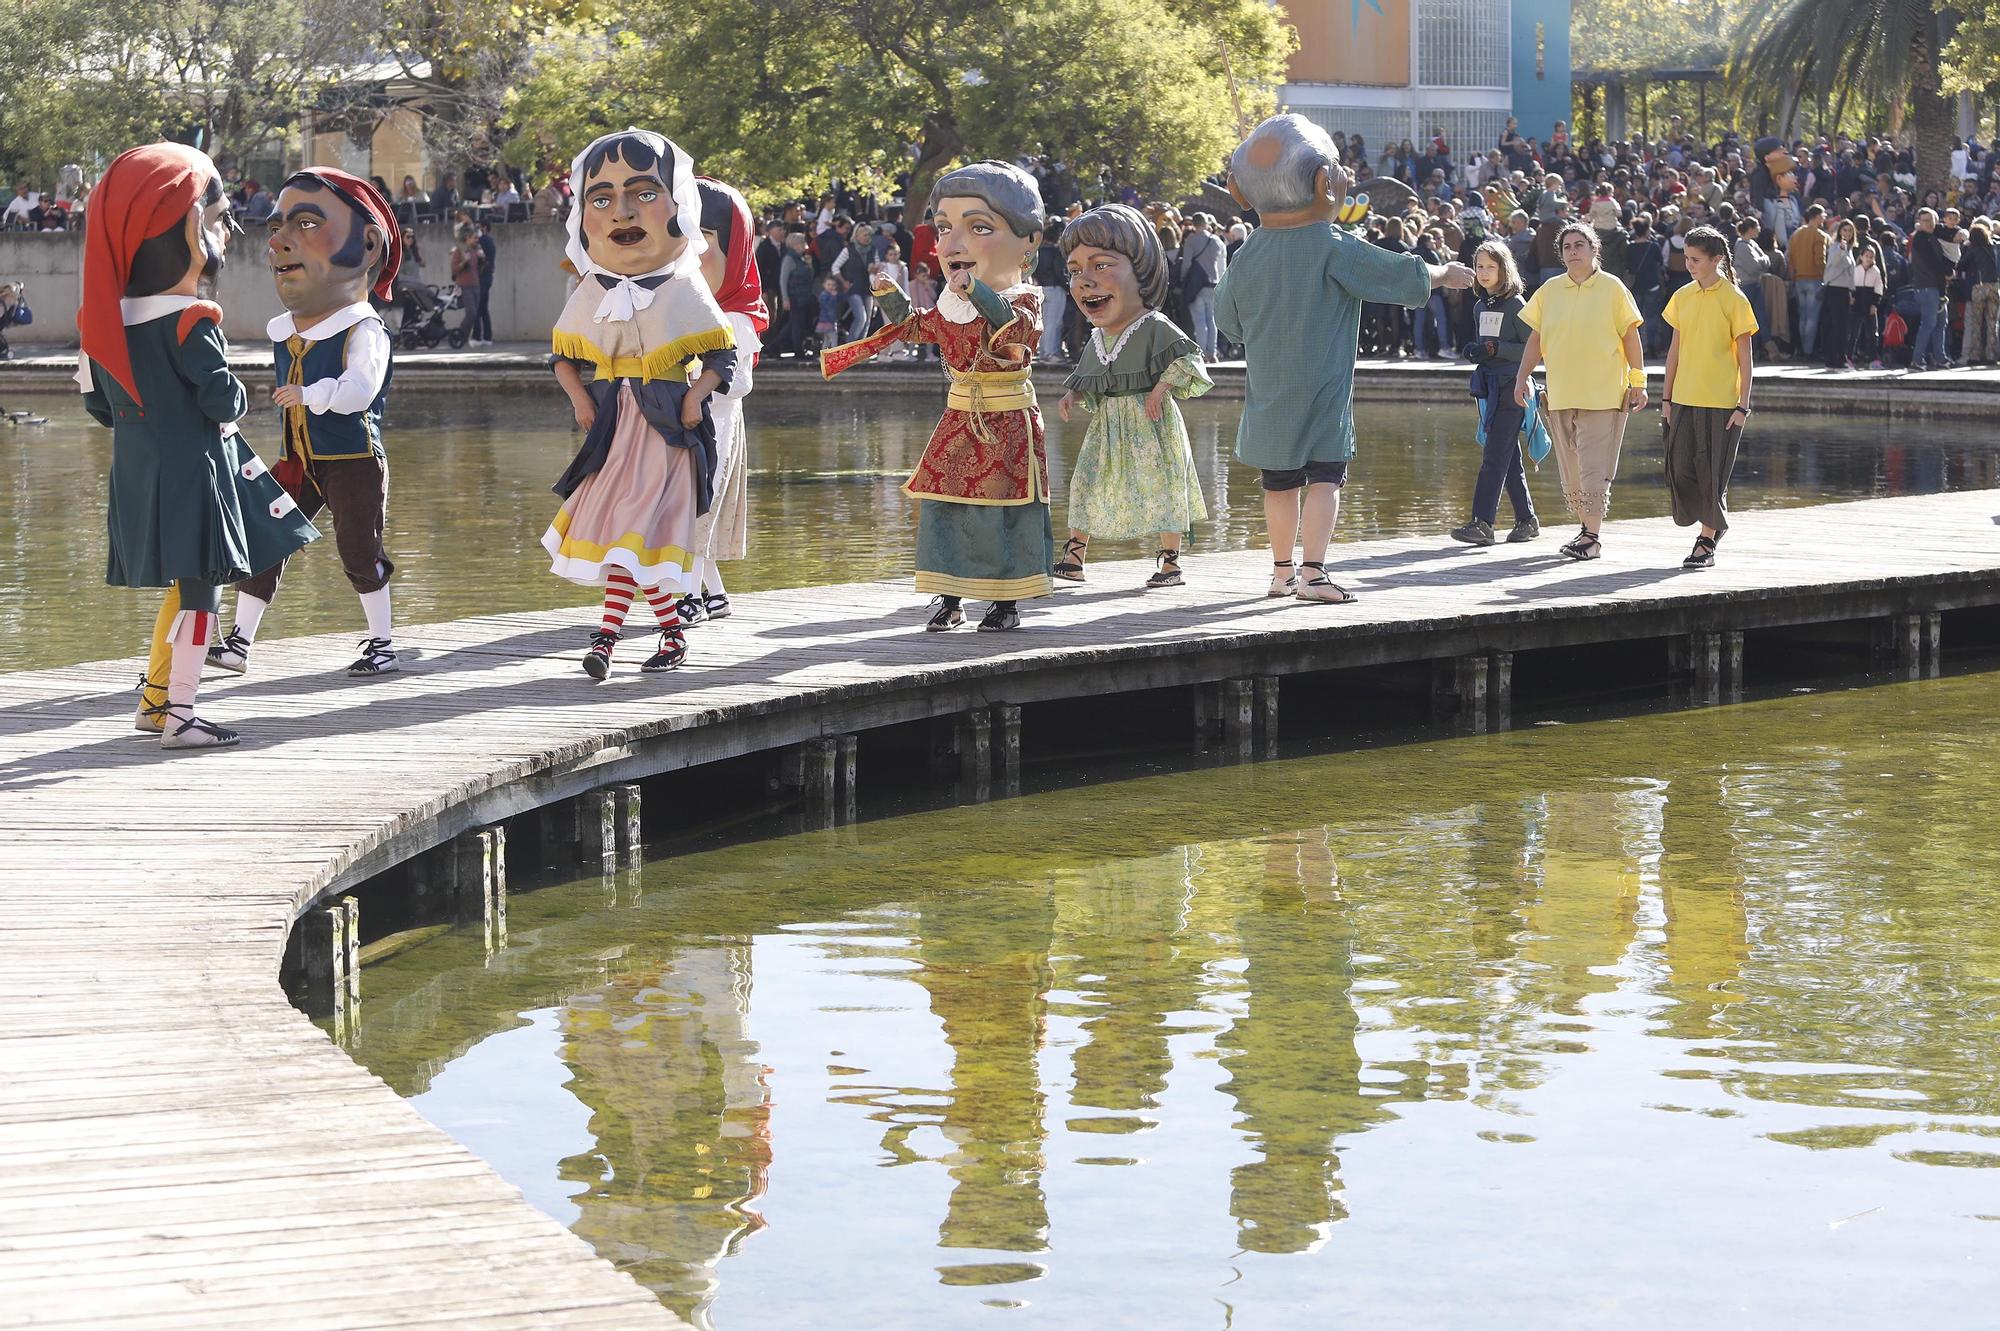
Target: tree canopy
[775, 94]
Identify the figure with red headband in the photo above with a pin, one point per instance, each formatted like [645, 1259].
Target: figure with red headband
[333, 239]
[192, 507]
[729, 266]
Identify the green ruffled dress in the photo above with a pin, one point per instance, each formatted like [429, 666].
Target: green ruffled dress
[1135, 477]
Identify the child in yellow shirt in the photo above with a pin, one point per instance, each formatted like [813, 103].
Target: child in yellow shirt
[1707, 398]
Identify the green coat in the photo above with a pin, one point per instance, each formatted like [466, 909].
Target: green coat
[187, 500]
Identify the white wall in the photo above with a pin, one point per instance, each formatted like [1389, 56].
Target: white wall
[528, 287]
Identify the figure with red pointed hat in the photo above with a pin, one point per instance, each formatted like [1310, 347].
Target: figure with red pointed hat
[729, 266]
[333, 239]
[192, 507]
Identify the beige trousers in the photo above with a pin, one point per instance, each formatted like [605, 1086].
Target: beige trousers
[1586, 445]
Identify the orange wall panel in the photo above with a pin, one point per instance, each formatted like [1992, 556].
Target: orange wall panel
[1351, 41]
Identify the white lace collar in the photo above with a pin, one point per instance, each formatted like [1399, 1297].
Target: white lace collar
[960, 309]
[1097, 339]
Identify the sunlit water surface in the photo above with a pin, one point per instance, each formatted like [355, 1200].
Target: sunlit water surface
[470, 475]
[1673, 1020]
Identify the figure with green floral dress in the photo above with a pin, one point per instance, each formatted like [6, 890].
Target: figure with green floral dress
[1135, 474]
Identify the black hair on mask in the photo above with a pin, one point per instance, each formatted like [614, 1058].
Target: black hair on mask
[634, 149]
[162, 261]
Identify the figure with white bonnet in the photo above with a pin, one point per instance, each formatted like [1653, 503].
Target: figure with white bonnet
[1292, 298]
[644, 325]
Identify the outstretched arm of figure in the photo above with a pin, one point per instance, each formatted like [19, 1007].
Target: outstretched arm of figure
[992, 306]
[573, 387]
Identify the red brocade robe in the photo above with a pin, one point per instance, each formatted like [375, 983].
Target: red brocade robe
[974, 457]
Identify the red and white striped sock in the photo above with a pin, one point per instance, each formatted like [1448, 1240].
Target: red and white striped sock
[666, 606]
[619, 589]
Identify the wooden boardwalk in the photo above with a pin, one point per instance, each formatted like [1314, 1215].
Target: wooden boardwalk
[179, 1148]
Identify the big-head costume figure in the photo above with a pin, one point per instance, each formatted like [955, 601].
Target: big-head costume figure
[1292, 297]
[983, 481]
[192, 507]
[643, 325]
[729, 266]
[333, 240]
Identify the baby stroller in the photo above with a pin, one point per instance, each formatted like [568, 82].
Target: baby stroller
[424, 309]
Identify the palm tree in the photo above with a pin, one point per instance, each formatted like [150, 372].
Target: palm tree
[1885, 50]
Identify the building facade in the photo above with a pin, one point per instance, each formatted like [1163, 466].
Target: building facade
[1404, 69]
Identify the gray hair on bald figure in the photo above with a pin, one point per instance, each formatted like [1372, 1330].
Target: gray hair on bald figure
[1291, 181]
[1001, 186]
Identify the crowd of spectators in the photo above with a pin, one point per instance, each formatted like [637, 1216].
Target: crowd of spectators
[1844, 264]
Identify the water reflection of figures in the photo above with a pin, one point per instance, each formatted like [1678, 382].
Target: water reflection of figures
[985, 964]
[682, 1112]
[1294, 1070]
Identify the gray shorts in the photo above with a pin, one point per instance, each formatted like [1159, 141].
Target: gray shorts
[1313, 473]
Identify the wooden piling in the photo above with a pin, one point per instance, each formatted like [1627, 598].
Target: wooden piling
[1006, 732]
[1499, 690]
[974, 738]
[1265, 705]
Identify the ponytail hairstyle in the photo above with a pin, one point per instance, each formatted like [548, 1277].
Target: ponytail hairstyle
[1715, 245]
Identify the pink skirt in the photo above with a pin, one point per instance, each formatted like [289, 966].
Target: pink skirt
[636, 513]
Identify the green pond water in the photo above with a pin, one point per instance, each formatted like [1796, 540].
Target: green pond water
[470, 473]
[1683, 1019]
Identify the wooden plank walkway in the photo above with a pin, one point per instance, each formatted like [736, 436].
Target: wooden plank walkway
[180, 1149]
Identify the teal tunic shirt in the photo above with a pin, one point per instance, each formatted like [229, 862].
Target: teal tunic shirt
[1292, 297]
[187, 500]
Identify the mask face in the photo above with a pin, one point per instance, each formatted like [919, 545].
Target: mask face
[214, 224]
[320, 252]
[625, 220]
[1104, 286]
[972, 236]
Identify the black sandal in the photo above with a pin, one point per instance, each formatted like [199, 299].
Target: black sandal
[1585, 546]
[1284, 586]
[1322, 588]
[597, 661]
[1071, 567]
[673, 651]
[1169, 574]
[947, 615]
[1703, 555]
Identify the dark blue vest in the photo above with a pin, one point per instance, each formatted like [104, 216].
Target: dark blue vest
[331, 436]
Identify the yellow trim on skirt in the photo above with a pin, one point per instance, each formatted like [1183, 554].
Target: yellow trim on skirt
[649, 556]
[985, 589]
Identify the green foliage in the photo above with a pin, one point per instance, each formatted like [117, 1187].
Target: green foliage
[86, 80]
[1634, 35]
[780, 94]
[1970, 61]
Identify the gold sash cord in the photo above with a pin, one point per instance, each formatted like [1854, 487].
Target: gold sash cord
[978, 392]
[295, 417]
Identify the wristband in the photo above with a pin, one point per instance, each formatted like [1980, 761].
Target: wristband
[1635, 378]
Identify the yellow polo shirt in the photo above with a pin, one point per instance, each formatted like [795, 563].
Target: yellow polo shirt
[1709, 322]
[1583, 327]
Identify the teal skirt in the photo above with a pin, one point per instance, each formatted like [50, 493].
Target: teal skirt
[984, 552]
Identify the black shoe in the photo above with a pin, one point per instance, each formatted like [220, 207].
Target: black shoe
[1475, 532]
[716, 604]
[1703, 555]
[673, 651]
[1000, 618]
[597, 661]
[947, 616]
[1169, 572]
[691, 609]
[1530, 530]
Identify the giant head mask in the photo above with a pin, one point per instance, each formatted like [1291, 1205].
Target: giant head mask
[637, 212]
[332, 239]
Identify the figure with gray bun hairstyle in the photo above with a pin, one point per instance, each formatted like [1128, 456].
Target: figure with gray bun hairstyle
[1135, 474]
[1292, 297]
[982, 484]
